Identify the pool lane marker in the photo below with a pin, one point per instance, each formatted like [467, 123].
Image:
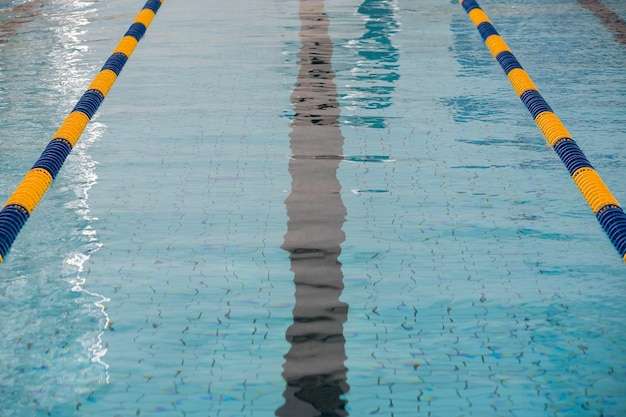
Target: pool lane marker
[602, 202]
[29, 192]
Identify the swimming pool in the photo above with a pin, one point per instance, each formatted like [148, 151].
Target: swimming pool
[347, 213]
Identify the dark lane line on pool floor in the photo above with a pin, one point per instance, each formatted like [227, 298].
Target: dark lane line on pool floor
[611, 20]
[11, 19]
[314, 369]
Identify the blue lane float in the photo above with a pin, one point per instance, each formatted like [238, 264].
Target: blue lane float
[604, 205]
[31, 189]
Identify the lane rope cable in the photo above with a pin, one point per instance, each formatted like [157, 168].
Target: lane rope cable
[602, 202]
[33, 186]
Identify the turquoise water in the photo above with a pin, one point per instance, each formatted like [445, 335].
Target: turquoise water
[236, 235]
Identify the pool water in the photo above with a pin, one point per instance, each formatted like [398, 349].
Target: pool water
[308, 208]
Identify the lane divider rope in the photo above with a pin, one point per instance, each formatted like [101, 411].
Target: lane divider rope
[36, 182]
[604, 205]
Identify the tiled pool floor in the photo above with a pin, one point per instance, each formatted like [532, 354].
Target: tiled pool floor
[344, 211]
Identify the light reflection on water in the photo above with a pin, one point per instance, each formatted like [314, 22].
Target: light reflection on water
[54, 340]
[375, 68]
[72, 77]
[85, 173]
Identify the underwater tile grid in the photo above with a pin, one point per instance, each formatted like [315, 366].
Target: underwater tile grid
[312, 208]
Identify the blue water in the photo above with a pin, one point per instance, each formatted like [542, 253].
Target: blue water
[234, 236]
